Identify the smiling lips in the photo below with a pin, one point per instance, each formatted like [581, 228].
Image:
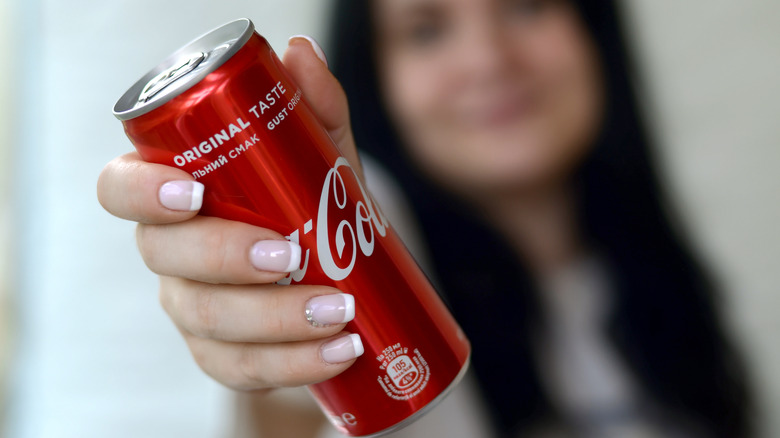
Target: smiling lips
[501, 109]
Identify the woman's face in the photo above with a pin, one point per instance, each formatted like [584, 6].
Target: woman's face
[490, 94]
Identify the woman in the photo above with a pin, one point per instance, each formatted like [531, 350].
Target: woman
[513, 130]
[663, 319]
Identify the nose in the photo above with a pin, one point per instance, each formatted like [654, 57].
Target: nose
[487, 51]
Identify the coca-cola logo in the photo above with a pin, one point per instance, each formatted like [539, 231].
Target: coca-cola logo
[339, 242]
[367, 217]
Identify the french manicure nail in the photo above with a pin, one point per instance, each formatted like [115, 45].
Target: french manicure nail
[314, 45]
[342, 349]
[181, 195]
[330, 309]
[275, 255]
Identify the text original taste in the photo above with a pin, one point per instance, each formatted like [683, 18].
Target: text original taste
[274, 96]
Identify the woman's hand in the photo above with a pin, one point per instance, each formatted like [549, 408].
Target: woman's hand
[217, 276]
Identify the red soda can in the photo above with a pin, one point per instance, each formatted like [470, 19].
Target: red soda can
[224, 109]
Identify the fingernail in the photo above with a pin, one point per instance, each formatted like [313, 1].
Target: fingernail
[342, 349]
[314, 45]
[330, 309]
[275, 255]
[181, 195]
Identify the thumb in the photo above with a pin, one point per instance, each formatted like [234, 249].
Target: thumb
[306, 63]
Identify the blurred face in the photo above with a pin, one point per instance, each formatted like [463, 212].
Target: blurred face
[490, 94]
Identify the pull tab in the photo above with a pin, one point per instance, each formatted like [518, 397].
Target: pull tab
[169, 76]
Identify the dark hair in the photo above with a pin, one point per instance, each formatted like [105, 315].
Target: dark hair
[665, 324]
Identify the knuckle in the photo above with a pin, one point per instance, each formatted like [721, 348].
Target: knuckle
[257, 370]
[145, 241]
[296, 373]
[270, 320]
[205, 315]
[217, 245]
[165, 297]
[204, 358]
[199, 354]
[172, 297]
[249, 369]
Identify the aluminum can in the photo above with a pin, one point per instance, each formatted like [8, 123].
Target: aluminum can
[224, 109]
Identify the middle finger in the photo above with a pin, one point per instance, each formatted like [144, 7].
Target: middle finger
[215, 250]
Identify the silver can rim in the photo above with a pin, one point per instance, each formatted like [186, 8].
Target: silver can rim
[233, 34]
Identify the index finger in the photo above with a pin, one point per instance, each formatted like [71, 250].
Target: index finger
[323, 93]
[133, 189]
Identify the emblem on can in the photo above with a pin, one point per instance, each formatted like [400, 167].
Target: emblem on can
[406, 373]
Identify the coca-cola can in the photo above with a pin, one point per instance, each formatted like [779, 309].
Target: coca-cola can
[223, 109]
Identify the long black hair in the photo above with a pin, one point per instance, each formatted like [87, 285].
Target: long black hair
[665, 323]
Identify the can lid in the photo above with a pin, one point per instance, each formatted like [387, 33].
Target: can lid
[183, 69]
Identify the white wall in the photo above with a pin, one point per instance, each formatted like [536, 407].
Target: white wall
[712, 70]
[6, 264]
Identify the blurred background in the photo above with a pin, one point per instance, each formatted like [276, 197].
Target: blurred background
[75, 295]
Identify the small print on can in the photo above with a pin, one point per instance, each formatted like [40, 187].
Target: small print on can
[224, 109]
